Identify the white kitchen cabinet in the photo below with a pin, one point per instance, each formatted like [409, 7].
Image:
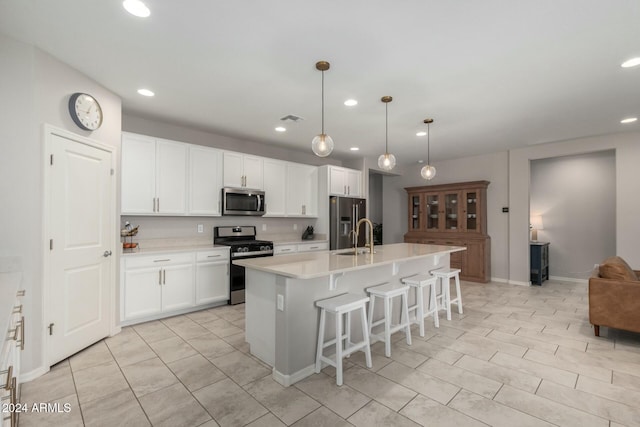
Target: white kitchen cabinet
[243, 171]
[314, 246]
[345, 182]
[212, 276]
[292, 248]
[205, 181]
[275, 187]
[284, 249]
[153, 176]
[157, 284]
[302, 190]
[11, 348]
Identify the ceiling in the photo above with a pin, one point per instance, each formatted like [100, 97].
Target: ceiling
[493, 74]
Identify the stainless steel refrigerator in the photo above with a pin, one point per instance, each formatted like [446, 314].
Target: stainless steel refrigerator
[344, 213]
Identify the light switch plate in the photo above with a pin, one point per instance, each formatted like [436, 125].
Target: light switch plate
[295, 227]
[200, 228]
[264, 227]
[280, 302]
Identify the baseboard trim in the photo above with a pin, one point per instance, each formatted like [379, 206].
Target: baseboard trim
[568, 279]
[33, 374]
[287, 380]
[518, 283]
[499, 280]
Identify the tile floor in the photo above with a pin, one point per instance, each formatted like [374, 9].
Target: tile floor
[519, 356]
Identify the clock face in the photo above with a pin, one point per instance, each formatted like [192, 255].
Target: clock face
[85, 111]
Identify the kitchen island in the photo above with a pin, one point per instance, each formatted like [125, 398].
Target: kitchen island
[281, 317]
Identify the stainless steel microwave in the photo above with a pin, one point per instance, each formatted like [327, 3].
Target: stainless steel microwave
[242, 201]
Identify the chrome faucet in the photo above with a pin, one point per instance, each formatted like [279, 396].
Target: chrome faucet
[357, 232]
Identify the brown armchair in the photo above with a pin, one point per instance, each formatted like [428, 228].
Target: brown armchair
[614, 296]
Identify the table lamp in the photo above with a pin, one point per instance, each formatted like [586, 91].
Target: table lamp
[535, 224]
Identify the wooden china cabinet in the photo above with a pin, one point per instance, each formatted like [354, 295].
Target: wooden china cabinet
[456, 215]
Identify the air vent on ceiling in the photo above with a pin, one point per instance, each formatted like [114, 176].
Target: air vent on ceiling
[291, 118]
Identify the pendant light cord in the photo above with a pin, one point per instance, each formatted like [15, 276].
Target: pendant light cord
[323, 102]
[428, 143]
[386, 128]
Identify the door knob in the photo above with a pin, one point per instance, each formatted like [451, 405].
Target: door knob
[106, 254]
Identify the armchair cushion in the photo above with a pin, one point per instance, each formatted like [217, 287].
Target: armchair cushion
[616, 268]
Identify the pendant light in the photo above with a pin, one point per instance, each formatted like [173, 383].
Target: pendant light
[322, 145]
[428, 172]
[386, 161]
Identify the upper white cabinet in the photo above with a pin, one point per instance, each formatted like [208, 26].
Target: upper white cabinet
[345, 182]
[275, 187]
[153, 176]
[302, 190]
[205, 181]
[243, 171]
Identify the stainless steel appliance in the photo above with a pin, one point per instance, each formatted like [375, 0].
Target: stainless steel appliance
[243, 244]
[344, 213]
[242, 201]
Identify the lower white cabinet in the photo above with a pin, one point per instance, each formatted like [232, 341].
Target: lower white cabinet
[292, 248]
[316, 246]
[212, 276]
[155, 286]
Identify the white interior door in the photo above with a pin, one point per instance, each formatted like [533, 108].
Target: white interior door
[78, 305]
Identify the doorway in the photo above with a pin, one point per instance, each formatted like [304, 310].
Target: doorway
[80, 254]
[572, 202]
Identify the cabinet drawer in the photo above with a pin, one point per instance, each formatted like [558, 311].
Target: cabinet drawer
[158, 260]
[307, 247]
[284, 249]
[214, 255]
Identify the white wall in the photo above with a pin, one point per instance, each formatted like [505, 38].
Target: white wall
[489, 167]
[576, 197]
[35, 90]
[627, 148]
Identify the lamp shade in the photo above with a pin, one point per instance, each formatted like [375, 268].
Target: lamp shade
[536, 222]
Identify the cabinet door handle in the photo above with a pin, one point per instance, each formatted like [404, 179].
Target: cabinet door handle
[21, 341]
[164, 277]
[158, 204]
[285, 250]
[162, 260]
[218, 206]
[213, 256]
[21, 293]
[345, 190]
[160, 277]
[348, 189]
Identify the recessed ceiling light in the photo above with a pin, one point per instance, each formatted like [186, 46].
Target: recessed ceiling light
[145, 92]
[633, 62]
[421, 133]
[354, 148]
[629, 120]
[421, 161]
[136, 8]
[350, 102]
[281, 129]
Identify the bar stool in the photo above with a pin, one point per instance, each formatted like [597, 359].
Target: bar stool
[339, 306]
[445, 274]
[419, 282]
[387, 292]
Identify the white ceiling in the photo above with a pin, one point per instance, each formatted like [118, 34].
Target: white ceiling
[494, 74]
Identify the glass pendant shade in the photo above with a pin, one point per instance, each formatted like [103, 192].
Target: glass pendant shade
[322, 145]
[386, 161]
[428, 172]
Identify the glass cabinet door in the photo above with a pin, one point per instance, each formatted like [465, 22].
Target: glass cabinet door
[415, 212]
[433, 211]
[471, 211]
[451, 210]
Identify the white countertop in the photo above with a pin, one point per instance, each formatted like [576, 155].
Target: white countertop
[170, 249]
[298, 242]
[310, 265]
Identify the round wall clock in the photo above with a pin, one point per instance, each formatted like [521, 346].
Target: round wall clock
[85, 111]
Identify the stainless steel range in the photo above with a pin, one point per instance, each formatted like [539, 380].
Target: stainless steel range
[243, 244]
